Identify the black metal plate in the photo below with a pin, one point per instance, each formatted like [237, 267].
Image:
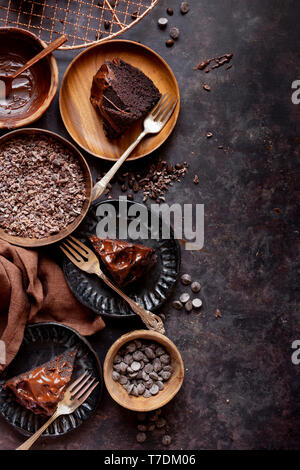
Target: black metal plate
[151, 291]
[41, 342]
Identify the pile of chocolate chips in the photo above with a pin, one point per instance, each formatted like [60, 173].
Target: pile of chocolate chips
[153, 423]
[153, 182]
[142, 367]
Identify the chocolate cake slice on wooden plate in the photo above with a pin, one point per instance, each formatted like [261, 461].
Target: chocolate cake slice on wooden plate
[125, 261]
[122, 94]
[40, 389]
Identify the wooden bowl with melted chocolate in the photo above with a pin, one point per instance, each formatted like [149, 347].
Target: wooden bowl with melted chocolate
[140, 403]
[34, 90]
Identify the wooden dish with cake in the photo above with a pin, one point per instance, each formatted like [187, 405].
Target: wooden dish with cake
[115, 84]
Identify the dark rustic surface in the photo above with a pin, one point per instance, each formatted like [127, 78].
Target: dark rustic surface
[241, 390]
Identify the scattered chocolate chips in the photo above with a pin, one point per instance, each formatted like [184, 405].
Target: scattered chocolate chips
[188, 306]
[184, 7]
[195, 286]
[153, 181]
[177, 305]
[174, 33]
[142, 368]
[42, 187]
[169, 42]
[166, 440]
[186, 279]
[197, 303]
[184, 298]
[141, 437]
[162, 23]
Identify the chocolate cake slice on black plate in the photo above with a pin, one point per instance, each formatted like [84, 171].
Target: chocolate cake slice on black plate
[122, 94]
[126, 262]
[41, 388]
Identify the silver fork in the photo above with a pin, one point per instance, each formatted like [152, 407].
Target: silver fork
[153, 124]
[75, 395]
[86, 260]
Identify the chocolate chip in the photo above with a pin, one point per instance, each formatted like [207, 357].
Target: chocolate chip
[161, 423]
[134, 15]
[135, 366]
[141, 388]
[107, 24]
[142, 427]
[157, 365]
[206, 87]
[186, 279]
[170, 11]
[174, 33]
[196, 179]
[184, 7]
[149, 353]
[177, 305]
[147, 394]
[160, 385]
[189, 306]
[141, 437]
[116, 376]
[162, 23]
[209, 135]
[123, 380]
[184, 298]
[138, 355]
[154, 389]
[165, 359]
[196, 286]
[169, 42]
[166, 440]
[197, 303]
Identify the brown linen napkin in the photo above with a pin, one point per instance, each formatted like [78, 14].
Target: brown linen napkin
[33, 289]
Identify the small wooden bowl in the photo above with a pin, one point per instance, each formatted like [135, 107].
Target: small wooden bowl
[25, 45]
[84, 123]
[36, 242]
[172, 386]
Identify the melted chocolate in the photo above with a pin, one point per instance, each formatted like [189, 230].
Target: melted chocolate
[22, 86]
[126, 262]
[42, 388]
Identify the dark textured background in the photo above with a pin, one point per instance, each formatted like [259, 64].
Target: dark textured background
[249, 267]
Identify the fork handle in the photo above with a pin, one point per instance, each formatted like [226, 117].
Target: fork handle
[27, 444]
[152, 321]
[102, 184]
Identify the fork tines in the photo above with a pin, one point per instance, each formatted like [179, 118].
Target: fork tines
[82, 387]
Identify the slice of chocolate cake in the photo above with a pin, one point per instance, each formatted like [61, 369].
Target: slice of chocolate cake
[40, 389]
[122, 94]
[126, 262]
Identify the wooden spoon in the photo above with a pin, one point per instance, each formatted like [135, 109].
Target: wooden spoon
[8, 79]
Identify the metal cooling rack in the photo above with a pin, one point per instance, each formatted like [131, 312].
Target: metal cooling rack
[85, 22]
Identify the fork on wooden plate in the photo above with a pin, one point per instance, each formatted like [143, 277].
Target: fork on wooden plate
[75, 395]
[153, 124]
[86, 260]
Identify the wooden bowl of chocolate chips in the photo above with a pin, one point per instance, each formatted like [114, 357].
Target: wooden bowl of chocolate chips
[143, 370]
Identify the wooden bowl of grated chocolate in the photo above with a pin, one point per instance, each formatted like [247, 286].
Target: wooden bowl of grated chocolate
[143, 370]
[45, 187]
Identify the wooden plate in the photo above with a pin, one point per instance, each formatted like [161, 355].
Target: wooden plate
[43, 341]
[84, 123]
[172, 386]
